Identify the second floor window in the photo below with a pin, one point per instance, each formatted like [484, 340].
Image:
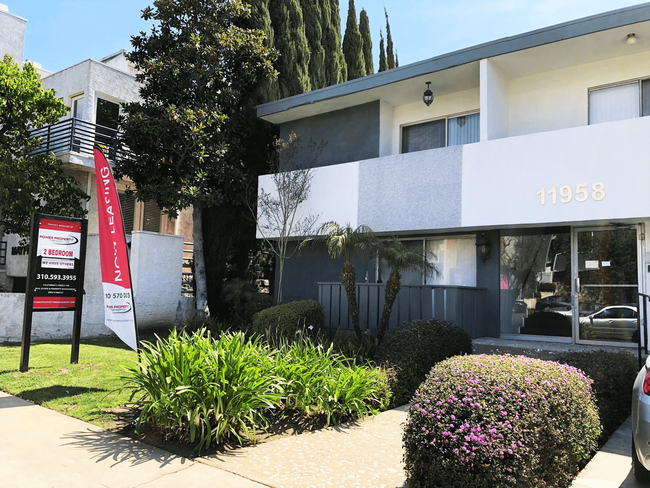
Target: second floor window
[452, 131]
[620, 102]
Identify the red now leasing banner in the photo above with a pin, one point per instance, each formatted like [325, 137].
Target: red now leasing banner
[119, 315]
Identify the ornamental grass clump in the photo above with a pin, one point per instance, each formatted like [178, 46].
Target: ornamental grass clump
[201, 390]
[485, 421]
[319, 381]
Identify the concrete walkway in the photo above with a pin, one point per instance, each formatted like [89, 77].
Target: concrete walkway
[42, 448]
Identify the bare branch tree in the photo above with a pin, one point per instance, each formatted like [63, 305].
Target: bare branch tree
[278, 218]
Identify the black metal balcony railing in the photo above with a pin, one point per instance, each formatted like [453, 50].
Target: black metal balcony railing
[76, 135]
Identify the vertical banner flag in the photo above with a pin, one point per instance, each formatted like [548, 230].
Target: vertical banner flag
[119, 314]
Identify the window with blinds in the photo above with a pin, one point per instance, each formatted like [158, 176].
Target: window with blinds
[452, 131]
[619, 102]
[127, 205]
[151, 217]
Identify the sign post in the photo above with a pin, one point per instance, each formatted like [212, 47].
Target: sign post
[55, 275]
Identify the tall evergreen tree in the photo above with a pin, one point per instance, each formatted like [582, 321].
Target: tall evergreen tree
[291, 43]
[268, 89]
[396, 60]
[383, 66]
[353, 45]
[335, 28]
[389, 44]
[312, 16]
[364, 30]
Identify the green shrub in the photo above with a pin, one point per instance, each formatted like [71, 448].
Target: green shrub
[287, 319]
[412, 349]
[613, 375]
[201, 390]
[484, 421]
[243, 300]
[319, 381]
[211, 324]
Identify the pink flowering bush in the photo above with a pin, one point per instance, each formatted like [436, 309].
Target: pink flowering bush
[487, 421]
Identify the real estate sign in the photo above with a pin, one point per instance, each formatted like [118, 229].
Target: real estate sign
[56, 280]
[55, 276]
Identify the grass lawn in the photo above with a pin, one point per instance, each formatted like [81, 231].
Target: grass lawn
[85, 390]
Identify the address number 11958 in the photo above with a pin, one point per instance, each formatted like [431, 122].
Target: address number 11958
[566, 193]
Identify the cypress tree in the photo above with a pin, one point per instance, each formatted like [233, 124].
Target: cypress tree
[383, 66]
[396, 60]
[312, 16]
[364, 30]
[267, 90]
[331, 25]
[291, 42]
[352, 46]
[389, 44]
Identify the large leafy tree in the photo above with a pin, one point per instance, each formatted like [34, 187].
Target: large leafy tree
[353, 45]
[30, 183]
[193, 65]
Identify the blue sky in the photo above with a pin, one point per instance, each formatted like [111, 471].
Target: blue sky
[61, 33]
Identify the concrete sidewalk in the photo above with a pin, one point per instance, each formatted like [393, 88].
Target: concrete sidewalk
[42, 448]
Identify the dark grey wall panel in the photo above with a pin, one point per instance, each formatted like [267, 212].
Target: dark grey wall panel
[303, 272]
[351, 134]
[487, 276]
[411, 192]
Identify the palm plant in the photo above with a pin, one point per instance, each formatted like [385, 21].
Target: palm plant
[345, 241]
[399, 258]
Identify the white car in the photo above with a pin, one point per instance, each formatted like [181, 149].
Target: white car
[641, 424]
[615, 322]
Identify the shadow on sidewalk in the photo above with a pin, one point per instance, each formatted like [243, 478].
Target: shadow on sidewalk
[108, 446]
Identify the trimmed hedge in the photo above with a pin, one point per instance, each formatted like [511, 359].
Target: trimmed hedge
[413, 348]
[484, 421]
[613, 375]
[286, 319]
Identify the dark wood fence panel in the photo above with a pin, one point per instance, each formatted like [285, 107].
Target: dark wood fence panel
[463, 306]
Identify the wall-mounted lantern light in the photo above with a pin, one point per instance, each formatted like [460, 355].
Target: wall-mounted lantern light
[483, 246]
[427, 98]
[631, 39]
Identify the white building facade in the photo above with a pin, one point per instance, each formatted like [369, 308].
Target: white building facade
[527, 178]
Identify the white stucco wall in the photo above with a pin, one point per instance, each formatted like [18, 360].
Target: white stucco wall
[92, 79]
[386, 122]
[502, 178]
[334, 195]
[156, 267]
[12, 34]
[559, 99]
[442, 106]
[495, 110]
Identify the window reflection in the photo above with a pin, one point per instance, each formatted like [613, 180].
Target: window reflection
[535, 282]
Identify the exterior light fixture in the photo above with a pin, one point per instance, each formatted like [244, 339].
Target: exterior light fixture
[427, 98]
[631, 39]
[483, 247]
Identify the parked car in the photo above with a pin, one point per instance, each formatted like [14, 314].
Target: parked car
[554, 303]
[615, 322]
[641, 424]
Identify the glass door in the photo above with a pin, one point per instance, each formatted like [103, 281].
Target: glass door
[605, 284]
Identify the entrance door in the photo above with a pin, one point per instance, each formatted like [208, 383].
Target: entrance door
[605, 284]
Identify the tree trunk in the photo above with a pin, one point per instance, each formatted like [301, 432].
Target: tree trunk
[390, 295]
[348, 278]
[280, 276]
[201, 288]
